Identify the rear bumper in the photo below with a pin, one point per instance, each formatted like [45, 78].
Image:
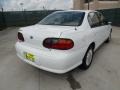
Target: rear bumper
[51, 60]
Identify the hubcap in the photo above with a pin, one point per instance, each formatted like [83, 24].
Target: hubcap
[89, 57]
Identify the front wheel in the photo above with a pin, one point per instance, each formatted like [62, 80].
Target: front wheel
[87, 60]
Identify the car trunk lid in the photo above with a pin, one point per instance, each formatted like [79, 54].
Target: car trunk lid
[35, 35]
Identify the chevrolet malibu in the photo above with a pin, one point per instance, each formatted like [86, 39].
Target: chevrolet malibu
[63, 40]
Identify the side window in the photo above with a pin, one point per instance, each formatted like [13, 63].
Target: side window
[101, 18]
[93, 19]
[89, 20]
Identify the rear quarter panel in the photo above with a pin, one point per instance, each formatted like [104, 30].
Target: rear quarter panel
[82, 39]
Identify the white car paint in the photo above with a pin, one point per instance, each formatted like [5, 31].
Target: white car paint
[60, 61]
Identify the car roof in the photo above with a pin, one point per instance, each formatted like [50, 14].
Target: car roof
[86, 11]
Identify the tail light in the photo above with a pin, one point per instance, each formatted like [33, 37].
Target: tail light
[58, 43]
[20, 37]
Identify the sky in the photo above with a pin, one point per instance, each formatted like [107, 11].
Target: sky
[15, 5]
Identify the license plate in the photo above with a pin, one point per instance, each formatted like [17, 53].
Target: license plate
[29, 56]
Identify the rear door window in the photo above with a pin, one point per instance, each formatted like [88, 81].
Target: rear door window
[93, 20]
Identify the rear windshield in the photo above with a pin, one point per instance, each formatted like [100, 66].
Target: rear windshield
[64, 19]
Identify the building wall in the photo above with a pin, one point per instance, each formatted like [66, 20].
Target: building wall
[108, 4]
[96, 4]
[78, 4]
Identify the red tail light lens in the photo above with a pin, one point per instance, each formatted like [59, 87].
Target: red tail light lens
[20, 37]
[58, 43]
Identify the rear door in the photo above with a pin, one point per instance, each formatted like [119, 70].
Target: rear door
[104, 25]
[96, 28]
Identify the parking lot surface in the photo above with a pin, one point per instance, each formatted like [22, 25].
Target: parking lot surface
[104, 74]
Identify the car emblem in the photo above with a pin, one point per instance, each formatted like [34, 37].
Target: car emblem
[31, 37]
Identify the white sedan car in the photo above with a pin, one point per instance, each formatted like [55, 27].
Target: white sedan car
[63, 40]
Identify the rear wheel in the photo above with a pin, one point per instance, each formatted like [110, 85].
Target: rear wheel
[87, 59]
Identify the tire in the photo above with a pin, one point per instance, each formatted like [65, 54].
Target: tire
[87, 60]
[109, 38]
